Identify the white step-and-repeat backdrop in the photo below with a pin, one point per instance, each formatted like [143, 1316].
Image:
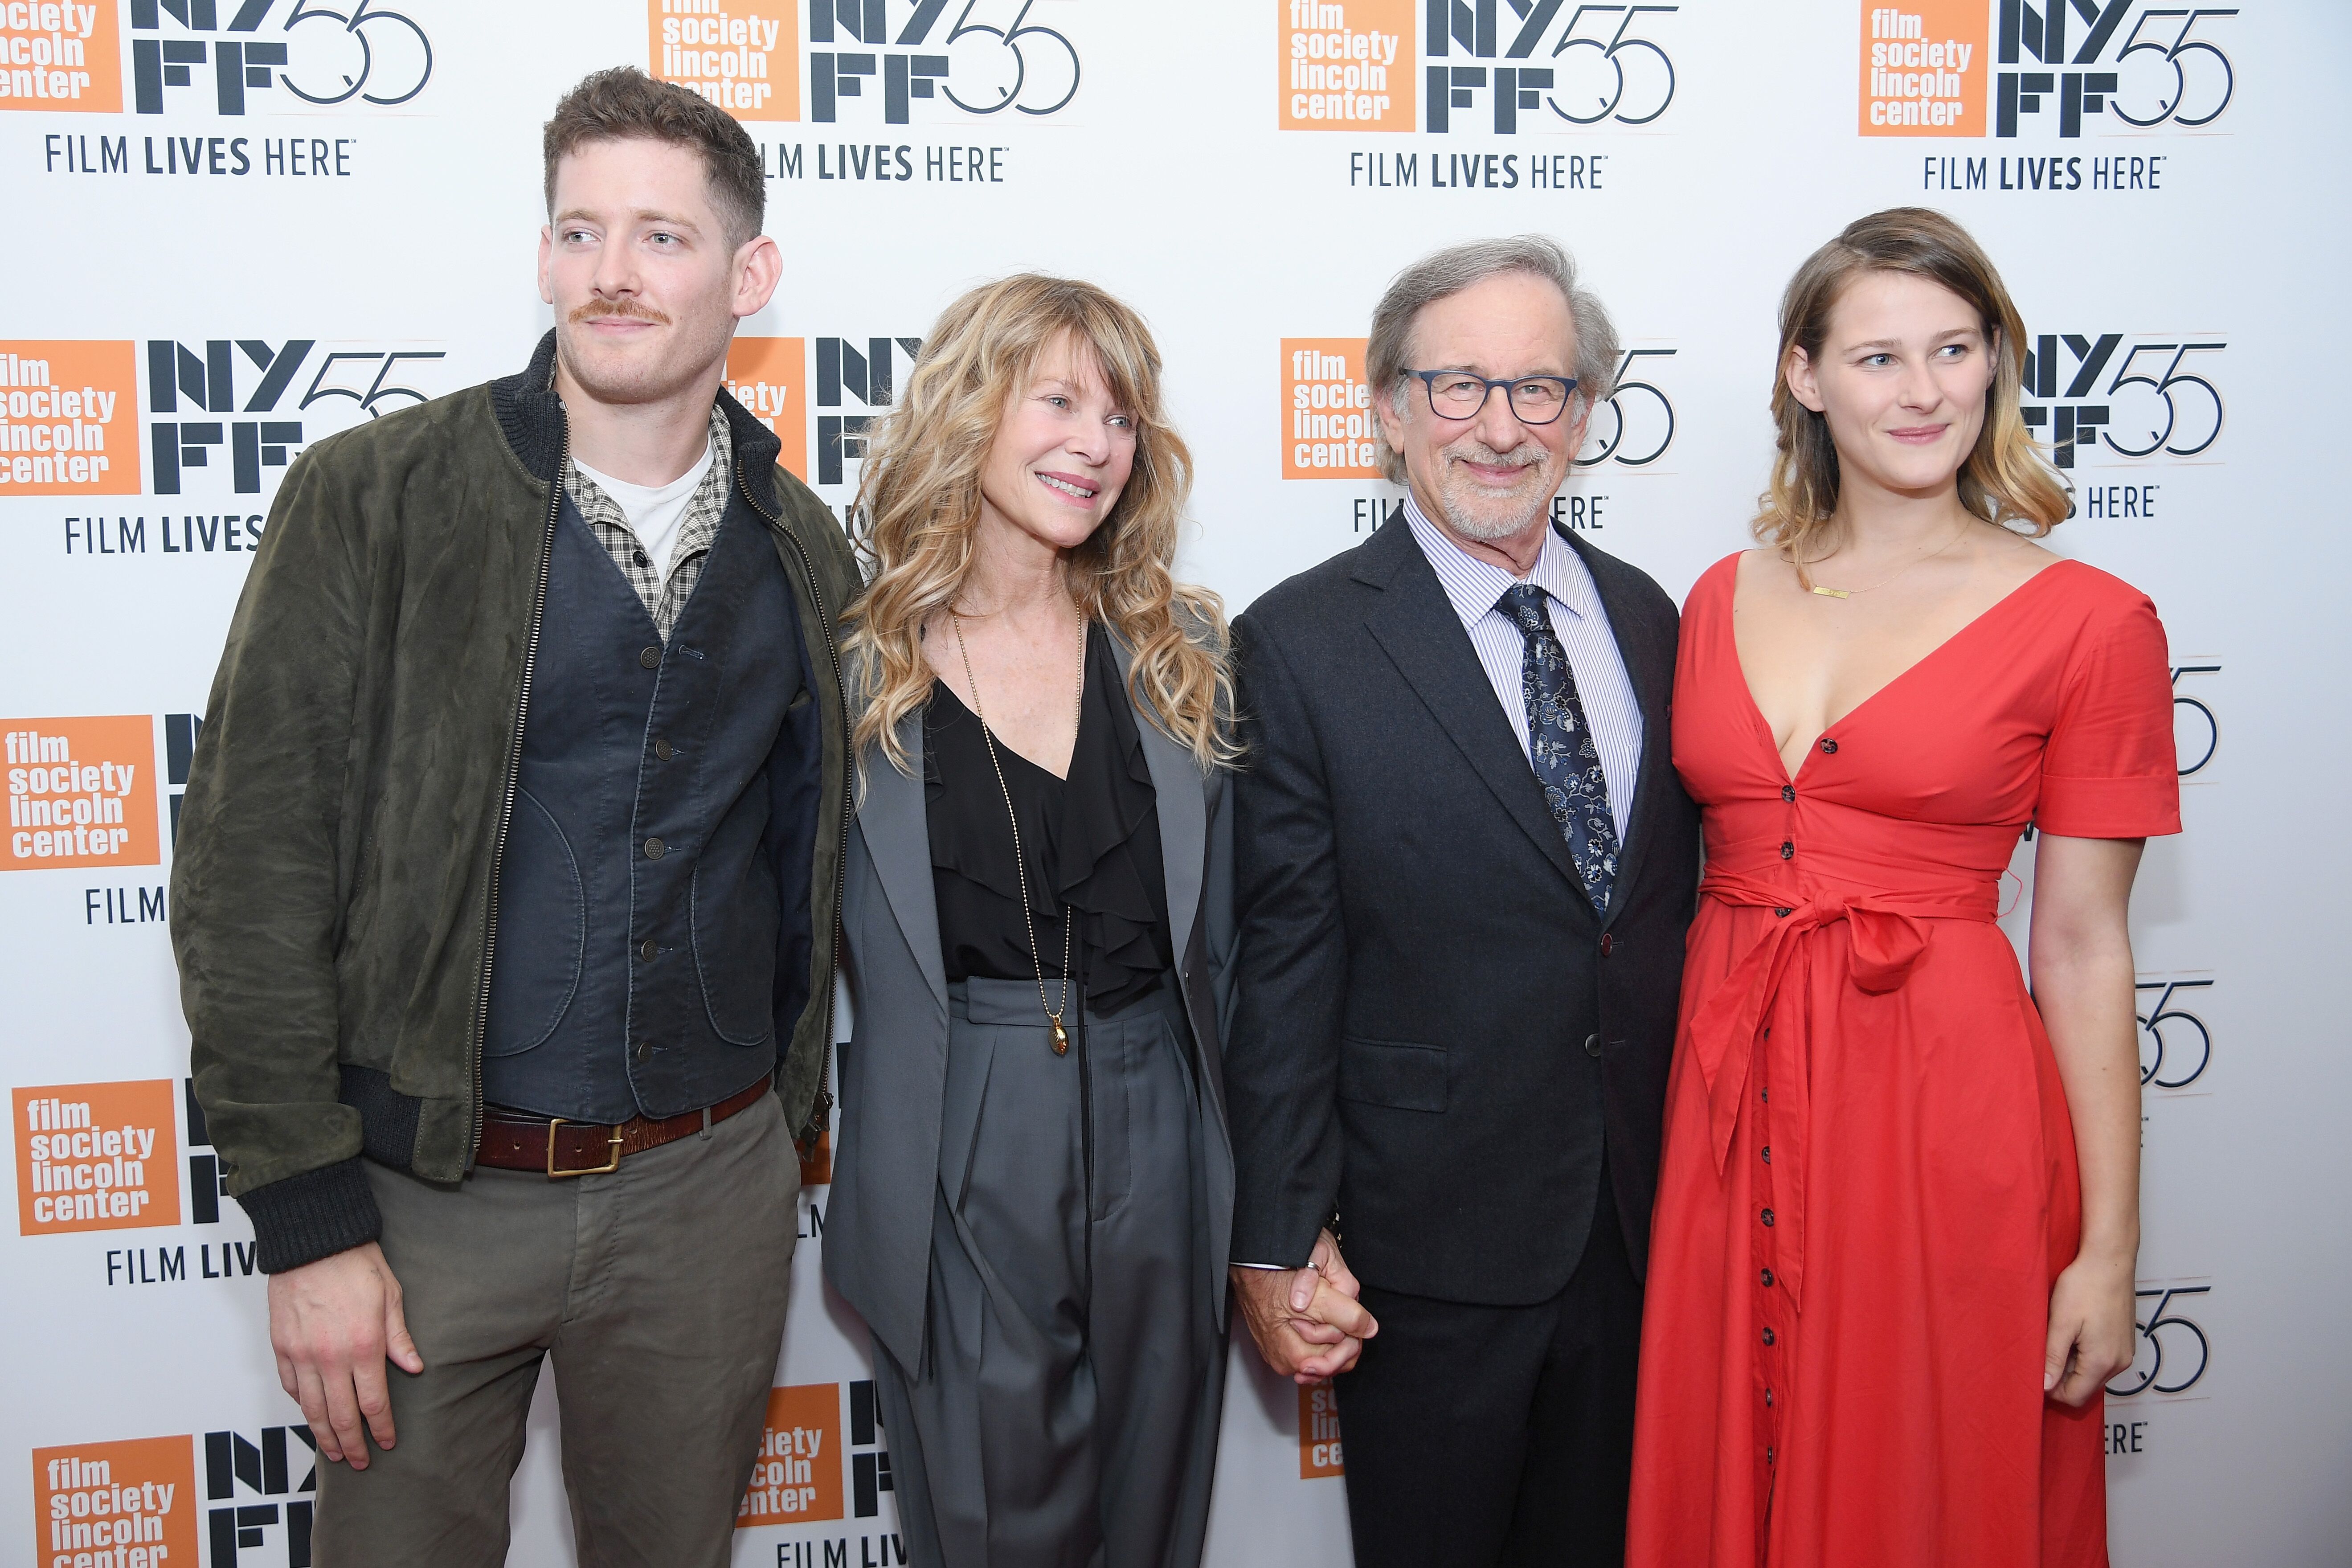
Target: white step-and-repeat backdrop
[242, 225]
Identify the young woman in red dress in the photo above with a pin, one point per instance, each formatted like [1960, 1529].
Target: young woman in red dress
[1892, 1263]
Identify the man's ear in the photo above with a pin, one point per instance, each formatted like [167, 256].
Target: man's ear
[1576, 426]
[1391, 417]
[546, 262]
[759, 266]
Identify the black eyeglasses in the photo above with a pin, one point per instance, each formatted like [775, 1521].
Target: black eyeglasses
[1533, 399]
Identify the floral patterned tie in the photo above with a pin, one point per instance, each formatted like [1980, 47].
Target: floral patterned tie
[1560, 744]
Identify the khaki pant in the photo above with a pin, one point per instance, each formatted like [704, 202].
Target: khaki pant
[658, 1288]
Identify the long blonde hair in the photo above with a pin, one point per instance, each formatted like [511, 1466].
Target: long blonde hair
[2004, 480]
[919, 502]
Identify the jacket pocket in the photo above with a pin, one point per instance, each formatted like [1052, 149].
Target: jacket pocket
[537, 967]
[1393, 1073]
[737, 921]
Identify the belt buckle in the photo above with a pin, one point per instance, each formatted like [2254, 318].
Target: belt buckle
[612, 1165]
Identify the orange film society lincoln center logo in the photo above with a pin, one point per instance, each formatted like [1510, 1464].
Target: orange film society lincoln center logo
[60, 57]
[741, 55]
[1924, 69]
[766, 375]
[81, 791]
[96, 1156]
[797, 1478]
[130, 1504]
[58, 407]
[1327, 410]
[1318, 1432]
[1345, 67]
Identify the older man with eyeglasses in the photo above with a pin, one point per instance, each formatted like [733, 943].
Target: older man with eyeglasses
[1465, 867]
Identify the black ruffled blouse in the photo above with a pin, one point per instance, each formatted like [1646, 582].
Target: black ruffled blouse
[1091, 844]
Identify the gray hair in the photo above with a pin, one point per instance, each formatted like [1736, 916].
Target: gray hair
[1444, 273]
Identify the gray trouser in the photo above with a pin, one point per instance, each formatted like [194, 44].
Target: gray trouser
[1065, 1414]
[659, 1290]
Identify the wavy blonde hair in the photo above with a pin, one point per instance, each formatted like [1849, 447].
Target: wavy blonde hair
[2004, 480]
[919, 501]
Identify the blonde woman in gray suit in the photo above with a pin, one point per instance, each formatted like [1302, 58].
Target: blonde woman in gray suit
[1033, 1189]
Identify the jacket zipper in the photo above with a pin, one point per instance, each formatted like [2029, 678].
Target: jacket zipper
[820, 1108]
[514, 779]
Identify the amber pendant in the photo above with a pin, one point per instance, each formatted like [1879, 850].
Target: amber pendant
[1061, 1036]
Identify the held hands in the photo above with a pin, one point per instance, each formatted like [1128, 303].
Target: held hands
[2090, 1328]
[1307, 1322]
[333, 1323]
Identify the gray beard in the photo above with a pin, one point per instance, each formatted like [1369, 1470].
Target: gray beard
[1485, 530]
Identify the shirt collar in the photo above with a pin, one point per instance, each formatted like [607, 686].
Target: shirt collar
[704, 507]
[1472, 586]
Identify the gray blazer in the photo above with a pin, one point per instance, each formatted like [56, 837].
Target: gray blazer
[888, 1163]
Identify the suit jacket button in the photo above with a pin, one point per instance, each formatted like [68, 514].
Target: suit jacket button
[1608, 944]
[1592, 1045]
[655, 849]
[663, 749]
[650, 657]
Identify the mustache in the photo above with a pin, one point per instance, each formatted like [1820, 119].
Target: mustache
[1525, 455]
[627, 309]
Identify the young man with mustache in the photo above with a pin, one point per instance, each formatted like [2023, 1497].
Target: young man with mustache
[506, 888]
[1464, 868]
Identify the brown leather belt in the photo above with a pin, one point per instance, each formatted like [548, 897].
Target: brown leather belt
[557, 1148]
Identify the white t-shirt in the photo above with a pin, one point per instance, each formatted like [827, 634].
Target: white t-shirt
[656, 512]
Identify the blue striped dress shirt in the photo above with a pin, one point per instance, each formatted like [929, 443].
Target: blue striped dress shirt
[1473, 586]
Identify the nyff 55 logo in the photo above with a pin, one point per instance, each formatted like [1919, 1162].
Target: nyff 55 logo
[2093, 394]
[204, 55]
[133, 1504]
[926, 60]
[63, 430]
[298, 376]
[852, 381]
[1940, 67]
[1499, 65]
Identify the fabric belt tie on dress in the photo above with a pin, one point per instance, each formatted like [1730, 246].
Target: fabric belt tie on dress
[1737, 1018]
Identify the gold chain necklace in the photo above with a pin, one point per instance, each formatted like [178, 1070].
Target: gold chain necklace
[1850, 593]
[1020, 869]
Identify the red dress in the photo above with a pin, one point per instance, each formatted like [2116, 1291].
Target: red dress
[1869, 1182]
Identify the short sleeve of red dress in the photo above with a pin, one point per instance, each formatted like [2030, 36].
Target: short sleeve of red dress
[2109, 769]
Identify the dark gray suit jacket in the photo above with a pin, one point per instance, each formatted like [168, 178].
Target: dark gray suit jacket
[888, 1162]
[1432, 1030]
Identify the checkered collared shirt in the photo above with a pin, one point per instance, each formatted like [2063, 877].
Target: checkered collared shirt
[663, 600]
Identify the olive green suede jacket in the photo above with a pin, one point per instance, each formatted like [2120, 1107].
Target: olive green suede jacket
[337, 852]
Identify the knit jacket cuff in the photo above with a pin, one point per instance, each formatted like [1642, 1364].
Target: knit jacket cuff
[315, 1214]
